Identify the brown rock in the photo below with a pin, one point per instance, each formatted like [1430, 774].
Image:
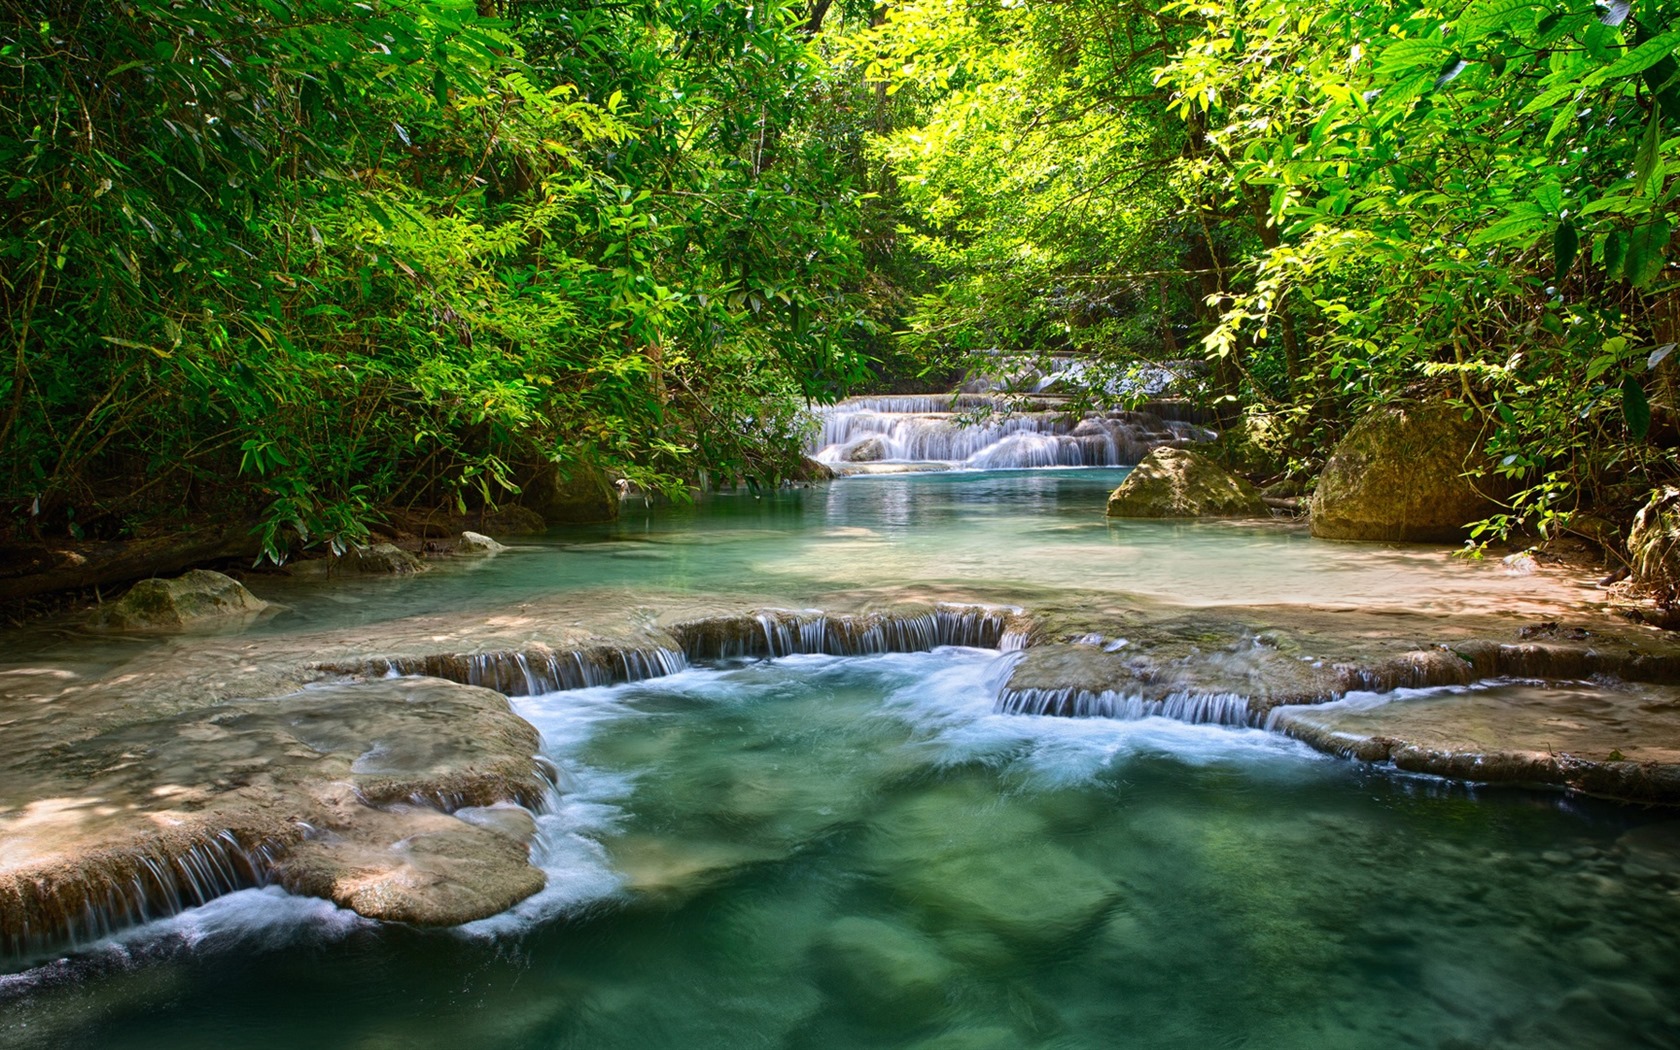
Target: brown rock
[193, 598]
[1398, 476]
[1654, 543]
[1179, 483]
[578, 494]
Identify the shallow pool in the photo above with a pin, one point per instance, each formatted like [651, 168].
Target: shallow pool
[821, 852]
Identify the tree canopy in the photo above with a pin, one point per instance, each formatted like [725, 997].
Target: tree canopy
[303, 259]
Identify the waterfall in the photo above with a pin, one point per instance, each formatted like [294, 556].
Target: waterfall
[533, 670]
[1221, 709]
[786, 632]
[985, 433]
[536, 668]
[125, 886]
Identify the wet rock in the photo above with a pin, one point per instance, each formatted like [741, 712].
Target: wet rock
[1594, 954]
[415, 865]
[1622, 743]
[869, 450]
[898, 975]
[995, 1038]
[578, 494]
[337, 790]
[515, 822]
[810, 470]
[1398, 476]
[478, 543]
[954, 856]
[1179, 483]
[1654, 543]
[192, 599]
[382, 559]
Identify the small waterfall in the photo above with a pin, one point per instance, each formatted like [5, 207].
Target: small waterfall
[786, 632]
[154, 880]
[534, 670]
[985, 433]
[1221, 709]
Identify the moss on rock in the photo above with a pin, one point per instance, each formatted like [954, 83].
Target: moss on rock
[194, 597]
[1179, 483]
[1399, 475]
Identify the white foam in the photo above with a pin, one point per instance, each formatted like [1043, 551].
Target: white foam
[254, 920]
[952, 705]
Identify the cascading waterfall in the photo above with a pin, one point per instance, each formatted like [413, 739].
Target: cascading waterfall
[986, 433]
[786, 632]
[1220, 709]
[129, 887]
[534, 670]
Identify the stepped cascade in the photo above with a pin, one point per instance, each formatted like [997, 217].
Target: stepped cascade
[984, 432]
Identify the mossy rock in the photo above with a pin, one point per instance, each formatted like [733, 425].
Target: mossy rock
[1179, 483]
[1654, 544]
[1399, 476]
[582, 495]
[193, 598]
[383, 559]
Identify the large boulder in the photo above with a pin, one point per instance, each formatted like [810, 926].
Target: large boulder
[582, 495]
[1179, 483]
[1654, 543]
[194, 598]
[1399, 475]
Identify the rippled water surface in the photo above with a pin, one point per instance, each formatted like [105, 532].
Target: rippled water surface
[822, 852]
[1023, 533]
[819, 852]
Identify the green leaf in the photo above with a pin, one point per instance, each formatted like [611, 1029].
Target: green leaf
[1636, 409]
[1484, 16]
[1647, 252]
[1640, 58]
[1565, 243]
[1615, 253]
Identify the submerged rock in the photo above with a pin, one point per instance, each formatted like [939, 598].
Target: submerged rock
[1654, 543]
[1179, 483]
[1399, 475]
[193, 598]
[898, 975]
[478, 543]
[962, 862]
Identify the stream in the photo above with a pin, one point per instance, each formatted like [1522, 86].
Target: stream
[861, 851]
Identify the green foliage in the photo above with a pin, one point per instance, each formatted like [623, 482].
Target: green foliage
[299, 258]
[1340, 204]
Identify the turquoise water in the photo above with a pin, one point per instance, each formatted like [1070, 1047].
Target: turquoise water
[820, 852]
[823, 852]
[1016, 534]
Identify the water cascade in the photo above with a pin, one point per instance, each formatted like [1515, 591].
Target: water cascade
[537, 669]
[533, 670]
[989, 433]
[1220, 709]
[162, 877]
